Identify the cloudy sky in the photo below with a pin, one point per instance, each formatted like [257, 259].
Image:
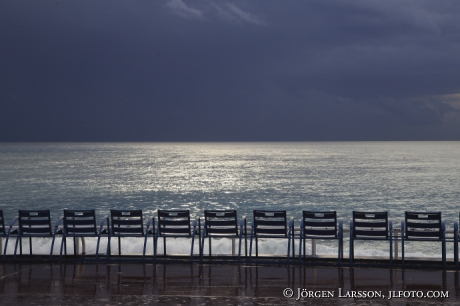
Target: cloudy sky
[215, 70]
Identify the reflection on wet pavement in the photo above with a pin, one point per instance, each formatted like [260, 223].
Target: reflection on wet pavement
[194, 284]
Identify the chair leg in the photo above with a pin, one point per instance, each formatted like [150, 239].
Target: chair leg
[300, 247]
[202, 246]
[351, 253]
[391, 248]
[456, 243]
[339, 255]
[402, 247]
[52, 246]
[145, 246]
[62, 245]
[97, 246]
[155, 242]
[210, 248]
[191, 251]
[239, 249]
[16, 247]
[6, 246]
[109, 249]
[444, 251]
[250, 245]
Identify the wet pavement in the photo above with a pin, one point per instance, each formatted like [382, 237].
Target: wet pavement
[205, 284]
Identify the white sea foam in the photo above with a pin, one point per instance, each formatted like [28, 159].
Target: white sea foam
[182, 246]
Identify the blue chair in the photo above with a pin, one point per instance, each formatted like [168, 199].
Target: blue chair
[175, 224]
[271, 224]
[423, 226]
[320, 225]
[370, 226]
[222, 224]
[81, 223]
[32, 224]
[128, 224]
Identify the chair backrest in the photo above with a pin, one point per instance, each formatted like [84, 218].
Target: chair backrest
[320, 223]
[270, 222]
[35, 222]
[80, 222]
[423, 225]
[370, 224]
[126, 222]
[174, 223]
[2, 224]
[221, 222]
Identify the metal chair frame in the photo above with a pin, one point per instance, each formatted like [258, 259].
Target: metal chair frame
[125, 223]
[31, 224]
[423, 226]
[81, 223]
[223, 224]
[320, 225]
[271, 224]
[175, 224]
[370, 226]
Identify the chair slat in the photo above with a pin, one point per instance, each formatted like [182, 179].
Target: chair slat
[34, 213]
[222, 223]
[26, 223]
[325, 232]
[423, 215]
[373, 233]
[174, 222]
[425, 234]
[174, 230]
[126, 213]
[79, 213]
[269, 214]
[122, 222]
[410, 225]
[370, 224]
[319, 215]
[80, 230]
[276, 231]
[120, 230]
[173, 213]
[36, 230]
[320, 224]
[281, 223]
[220, 214]
[220, 230]
[70, 222]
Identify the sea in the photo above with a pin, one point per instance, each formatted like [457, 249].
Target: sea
[291, 176]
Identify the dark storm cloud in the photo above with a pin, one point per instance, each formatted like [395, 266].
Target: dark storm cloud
[229, 70]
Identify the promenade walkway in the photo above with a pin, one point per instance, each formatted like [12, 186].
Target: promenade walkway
[205, 284]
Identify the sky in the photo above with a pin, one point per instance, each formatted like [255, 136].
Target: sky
[215, 70]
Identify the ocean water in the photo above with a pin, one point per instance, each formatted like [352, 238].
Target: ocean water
[341, 176]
